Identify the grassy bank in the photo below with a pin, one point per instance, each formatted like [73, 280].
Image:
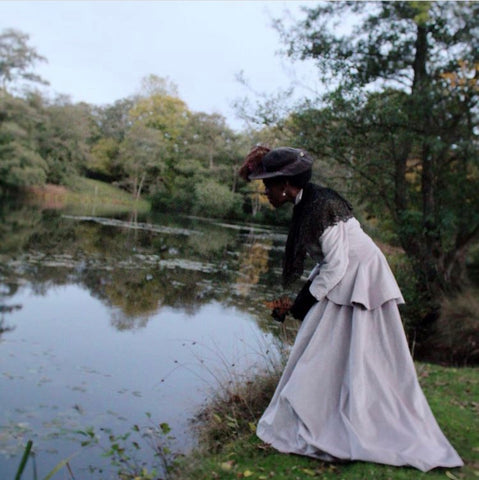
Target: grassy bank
[453, 394]
[85, 196]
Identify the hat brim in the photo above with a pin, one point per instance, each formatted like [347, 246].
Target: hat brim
[261, 176]
[288, 171]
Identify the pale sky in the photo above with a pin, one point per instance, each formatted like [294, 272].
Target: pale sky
[98, 51]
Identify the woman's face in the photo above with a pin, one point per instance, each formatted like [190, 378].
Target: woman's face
[275, 191]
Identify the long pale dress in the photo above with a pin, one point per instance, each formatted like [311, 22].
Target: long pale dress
[349, 390]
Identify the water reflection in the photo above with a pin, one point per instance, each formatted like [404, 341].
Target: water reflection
[104, 319]
[138, 268]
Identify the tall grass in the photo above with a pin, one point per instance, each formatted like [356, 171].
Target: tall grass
[238, 383]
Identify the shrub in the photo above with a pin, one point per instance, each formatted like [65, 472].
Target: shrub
[215, 200]
[455, 337]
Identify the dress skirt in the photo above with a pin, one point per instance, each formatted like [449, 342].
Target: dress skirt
[349, 391]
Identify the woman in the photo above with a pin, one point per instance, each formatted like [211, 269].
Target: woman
[349, 390]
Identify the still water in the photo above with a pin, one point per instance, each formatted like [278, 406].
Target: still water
[111, 323]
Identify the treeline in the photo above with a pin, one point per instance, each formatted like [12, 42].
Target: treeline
[150, 144]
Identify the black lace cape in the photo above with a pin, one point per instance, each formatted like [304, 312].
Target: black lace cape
[318, 209]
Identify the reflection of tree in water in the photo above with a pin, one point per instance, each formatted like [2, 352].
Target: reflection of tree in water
[4, 327]
[211, 243]
[17, 223]
[134, 293]
[143, 296]
[137, 269]
[6, 290]
[121, 321]
[254, 256]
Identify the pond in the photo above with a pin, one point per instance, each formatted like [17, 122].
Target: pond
[116, 325]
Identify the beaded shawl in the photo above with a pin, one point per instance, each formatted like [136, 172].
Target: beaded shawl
[318, 209]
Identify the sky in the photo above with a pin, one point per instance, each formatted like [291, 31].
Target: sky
[99, 51]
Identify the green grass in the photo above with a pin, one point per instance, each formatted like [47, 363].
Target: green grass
[453, 394]
[85, 196]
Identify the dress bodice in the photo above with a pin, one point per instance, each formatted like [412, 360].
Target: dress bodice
[352, 268]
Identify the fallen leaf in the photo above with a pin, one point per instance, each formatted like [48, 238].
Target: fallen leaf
[247, 473]
[309, 472]
[227, 466]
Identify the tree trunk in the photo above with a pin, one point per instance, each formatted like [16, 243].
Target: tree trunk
[235, 179]
[428, 254]
[400, 184]
[212, 165]
[140, 186]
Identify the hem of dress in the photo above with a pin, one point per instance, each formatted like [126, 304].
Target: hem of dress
[324, 456]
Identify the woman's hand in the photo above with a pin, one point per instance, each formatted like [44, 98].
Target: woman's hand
[303, 302]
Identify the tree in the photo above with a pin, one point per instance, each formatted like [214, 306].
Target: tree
[153, 142]
[154, 85]
[402, 116]
[165, 113]
[20, 163]
[214, 198]
[208, 140]
[113, 124]
[104, 154]
[114, 120]
[17, 58]
[141, 154]
[64, 139]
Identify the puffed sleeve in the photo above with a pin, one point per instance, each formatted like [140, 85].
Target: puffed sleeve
[335, 248]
